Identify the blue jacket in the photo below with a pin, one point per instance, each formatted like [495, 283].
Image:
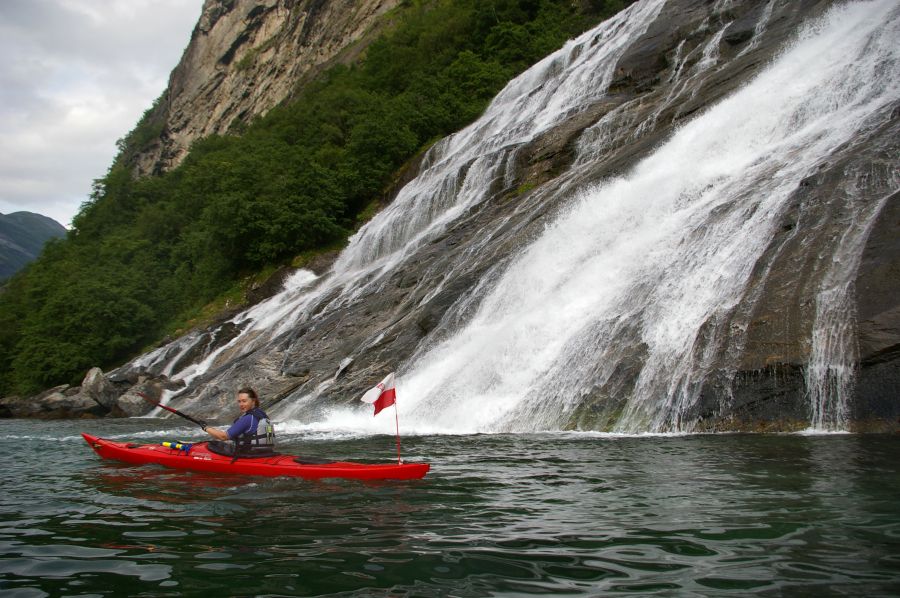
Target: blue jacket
[246, 425]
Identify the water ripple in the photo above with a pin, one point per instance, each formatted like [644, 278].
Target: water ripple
[498, 515]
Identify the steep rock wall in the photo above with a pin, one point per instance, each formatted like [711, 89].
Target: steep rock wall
[246, 56]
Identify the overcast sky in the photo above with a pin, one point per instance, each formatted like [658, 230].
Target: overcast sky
[75, 76]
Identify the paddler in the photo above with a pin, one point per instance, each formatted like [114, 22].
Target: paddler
[251, 432]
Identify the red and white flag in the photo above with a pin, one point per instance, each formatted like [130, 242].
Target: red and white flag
[383, 395]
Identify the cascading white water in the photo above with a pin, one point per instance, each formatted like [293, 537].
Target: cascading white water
[456, 175]
[635, 266]
[649, 258]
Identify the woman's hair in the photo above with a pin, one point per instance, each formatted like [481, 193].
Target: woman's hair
[250, 393]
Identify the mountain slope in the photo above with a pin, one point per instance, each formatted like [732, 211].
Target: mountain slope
[22, 238]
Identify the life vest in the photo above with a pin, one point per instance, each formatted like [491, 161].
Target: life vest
[264, 438]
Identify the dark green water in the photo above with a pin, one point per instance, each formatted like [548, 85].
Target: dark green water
[504, 515]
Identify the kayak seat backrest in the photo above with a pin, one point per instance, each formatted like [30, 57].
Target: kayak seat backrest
[226, 449]
[313, 461]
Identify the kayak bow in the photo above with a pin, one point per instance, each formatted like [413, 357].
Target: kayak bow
[200, 458]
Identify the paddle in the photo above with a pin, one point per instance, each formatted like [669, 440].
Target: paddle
[200, 423]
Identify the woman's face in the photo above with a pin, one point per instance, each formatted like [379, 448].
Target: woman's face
[245, 402]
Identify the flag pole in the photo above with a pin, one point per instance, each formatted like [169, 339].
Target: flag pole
[397, 420]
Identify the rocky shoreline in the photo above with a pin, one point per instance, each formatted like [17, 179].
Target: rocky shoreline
[98, 396]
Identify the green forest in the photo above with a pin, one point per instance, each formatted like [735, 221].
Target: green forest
[145, 257]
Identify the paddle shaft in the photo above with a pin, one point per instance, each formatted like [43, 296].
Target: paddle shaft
[175, 411]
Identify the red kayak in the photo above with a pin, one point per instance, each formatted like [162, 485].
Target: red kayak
[197, 457]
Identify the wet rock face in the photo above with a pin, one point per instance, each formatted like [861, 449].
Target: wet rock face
[246, 56]
[768, 384]
[755, 382]
[766, 388]
[878, 313]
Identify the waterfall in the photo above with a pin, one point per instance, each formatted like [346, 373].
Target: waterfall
[652, 262]
[629, 294]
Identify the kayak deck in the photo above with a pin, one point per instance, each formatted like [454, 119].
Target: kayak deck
[200, 458]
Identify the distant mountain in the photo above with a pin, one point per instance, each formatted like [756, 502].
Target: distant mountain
[22, 237]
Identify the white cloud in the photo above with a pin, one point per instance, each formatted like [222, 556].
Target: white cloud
[76, 76]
